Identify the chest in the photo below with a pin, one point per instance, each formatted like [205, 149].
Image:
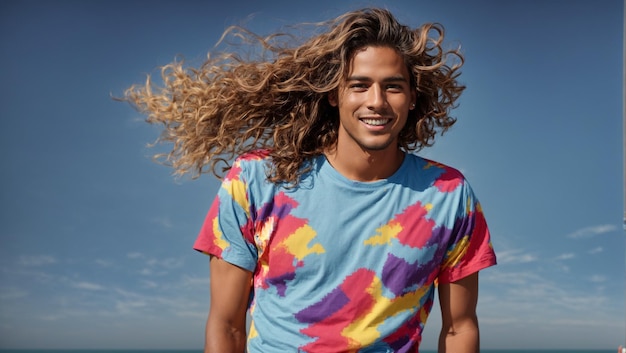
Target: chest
[312, 239]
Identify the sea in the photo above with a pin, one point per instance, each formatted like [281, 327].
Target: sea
[200, 351]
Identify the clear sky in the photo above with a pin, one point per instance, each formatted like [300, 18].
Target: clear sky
[95, 238]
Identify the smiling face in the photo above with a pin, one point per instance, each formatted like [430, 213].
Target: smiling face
[374, 101]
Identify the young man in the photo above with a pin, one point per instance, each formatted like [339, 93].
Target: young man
[326, 230]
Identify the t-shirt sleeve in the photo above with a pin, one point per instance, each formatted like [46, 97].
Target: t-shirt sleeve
[470, 249]
[222, 233]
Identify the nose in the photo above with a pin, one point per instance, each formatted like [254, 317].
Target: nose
[376, 98]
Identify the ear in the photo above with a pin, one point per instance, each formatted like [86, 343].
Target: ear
[332, 98]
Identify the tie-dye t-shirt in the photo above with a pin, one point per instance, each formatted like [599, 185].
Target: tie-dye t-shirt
[340, 265]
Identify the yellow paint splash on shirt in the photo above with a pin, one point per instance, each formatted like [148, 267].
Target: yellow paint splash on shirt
[456, 254]
[237, 190]
[389, 231]
[364, 330]
[385, 234]
[297, 243]
[252, 332]
[219, 236]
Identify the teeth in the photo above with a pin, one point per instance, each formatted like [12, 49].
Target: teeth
[375, 122]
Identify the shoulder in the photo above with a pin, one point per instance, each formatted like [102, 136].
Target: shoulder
[441, 176]
[447, 171]
[252, 159]
[248, 166]
[252, 156]
[439, 173]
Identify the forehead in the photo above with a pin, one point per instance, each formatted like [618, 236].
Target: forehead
[375, 61]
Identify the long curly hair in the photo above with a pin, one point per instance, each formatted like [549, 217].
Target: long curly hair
[278, 99]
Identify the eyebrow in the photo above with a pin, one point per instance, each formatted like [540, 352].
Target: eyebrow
[398, 78]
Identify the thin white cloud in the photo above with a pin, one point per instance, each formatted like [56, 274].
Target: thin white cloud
[104, 263]
[37, 260]
[598, 278]
[8, 293]
[128, 306]
[157, 266]
[137, 119]
[592, 231]
[515, 257]
[149, 284]
[134, 121]
[131, 306]
[202, 282]
[135, 255]
[87, 286]
[167, 263]
[172, 263]
[149, 272]
[529, 297]
[498, 320]
[583, 322]
[597, 250]
[508, 278]
[164, 222]
[567, 256]
[192, 314]
[176, 303]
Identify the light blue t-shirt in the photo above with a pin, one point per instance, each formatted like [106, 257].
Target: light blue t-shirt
[341, 265]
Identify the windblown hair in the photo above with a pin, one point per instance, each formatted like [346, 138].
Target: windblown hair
[279, 101]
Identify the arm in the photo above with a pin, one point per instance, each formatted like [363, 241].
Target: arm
[226, 325]
[459, 331]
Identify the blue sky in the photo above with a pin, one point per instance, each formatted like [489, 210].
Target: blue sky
[95, 238]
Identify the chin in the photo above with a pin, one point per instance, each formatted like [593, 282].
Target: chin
[376, 147]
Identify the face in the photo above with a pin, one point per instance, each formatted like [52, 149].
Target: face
[373, 100]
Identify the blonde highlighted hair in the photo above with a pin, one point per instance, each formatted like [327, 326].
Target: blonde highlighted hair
[279, 101]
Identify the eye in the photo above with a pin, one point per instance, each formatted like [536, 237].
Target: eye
[358, 86]
[394, 88]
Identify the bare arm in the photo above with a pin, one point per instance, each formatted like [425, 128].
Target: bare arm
[459, 331]
[226, 325]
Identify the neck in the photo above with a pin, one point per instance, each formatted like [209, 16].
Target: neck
[364, 165]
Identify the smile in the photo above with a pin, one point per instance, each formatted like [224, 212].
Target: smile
[376, 122]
